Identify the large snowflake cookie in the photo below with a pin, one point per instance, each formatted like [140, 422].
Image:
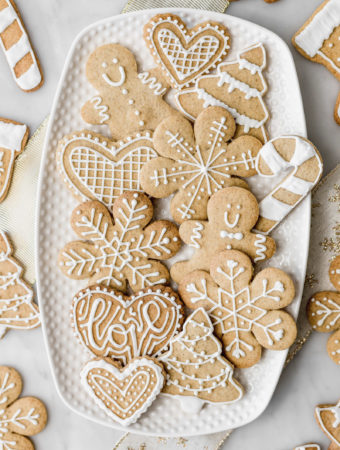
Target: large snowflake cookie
[185, 54]
[96, 168]
[246, 314]
[232, 213]
[328, 418]
[198, 162]
[323, 311]
[196, 368]
[17, 309]
[114, 251]
[18, 418]
[238, 86]
[123, 327]
[127, 101]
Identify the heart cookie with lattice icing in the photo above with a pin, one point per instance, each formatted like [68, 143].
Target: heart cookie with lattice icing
[185, 54]
[123, 393]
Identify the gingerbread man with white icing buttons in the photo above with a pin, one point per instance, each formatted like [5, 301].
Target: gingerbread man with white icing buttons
[127, 101]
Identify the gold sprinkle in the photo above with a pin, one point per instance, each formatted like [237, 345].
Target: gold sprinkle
[311, 280]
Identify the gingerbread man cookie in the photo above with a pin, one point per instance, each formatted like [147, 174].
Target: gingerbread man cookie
[127, 101]
[328, 418]
[246, 314]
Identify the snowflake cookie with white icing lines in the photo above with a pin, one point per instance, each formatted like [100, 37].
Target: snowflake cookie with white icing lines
[238, 86]
[113, 252]
[96, 168]
[18, 417]
[184, 54]
[198, 162]
[323, 311]
[246, 313]
[232, 213]
[328, 418]
[127, 101]
[196, 368]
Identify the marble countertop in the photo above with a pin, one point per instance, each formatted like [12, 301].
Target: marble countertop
[309, 379]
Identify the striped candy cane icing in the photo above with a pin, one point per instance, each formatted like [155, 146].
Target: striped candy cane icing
[306, 168]
[17, 47]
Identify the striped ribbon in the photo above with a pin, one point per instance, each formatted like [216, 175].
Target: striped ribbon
[210, 5]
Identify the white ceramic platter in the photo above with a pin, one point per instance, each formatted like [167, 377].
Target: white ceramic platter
[67, 357]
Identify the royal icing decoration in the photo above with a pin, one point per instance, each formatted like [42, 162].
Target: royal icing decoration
[123, 393]
[123, 328]
[198, 166]
[17, 47]
[195, 366]
[115, 251]
[238, 86]
[185, 54]
[305, 164]
[152, 82]
[17, 309]
[246, 315]
[328, 417]
[96, 168]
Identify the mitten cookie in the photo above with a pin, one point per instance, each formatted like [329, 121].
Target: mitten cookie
[124, 393]
[18, 418]
[232, 213]
[246, 314]
[127, 101]
[238, 86]
[96, 168]
[328, 418]
[196, 368]
[184, 54]
[17, 309]
[198, 162]
[323, 311]
[13, 138]
[114, 251]
[126, 327]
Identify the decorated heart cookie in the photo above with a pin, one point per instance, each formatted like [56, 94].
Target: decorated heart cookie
[328, 418]
[96, 168]
[246, 314]
[123, 393]
[124, 249]
[121, 327]
[185, 54]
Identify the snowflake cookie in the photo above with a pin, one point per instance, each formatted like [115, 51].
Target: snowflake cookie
[246, 314]
[18, 418]
[127, 101]
[198, 162]
[196, 368]
[232, 213]
[328, 418]
[323, 311]
[119, 250]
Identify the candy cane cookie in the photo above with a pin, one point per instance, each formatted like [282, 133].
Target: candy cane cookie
[276, 156]
[18, 49]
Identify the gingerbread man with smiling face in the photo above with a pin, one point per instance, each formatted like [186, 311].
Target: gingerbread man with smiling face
[127, 101]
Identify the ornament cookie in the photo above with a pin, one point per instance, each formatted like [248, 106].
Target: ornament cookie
[198, 162]
[124, 393]
[13, 138]
[323, 311]
[232, 213]
[196, 368]
[127, 101]
[125, 327]
[119, 250]
[328, 418]
[246, 313]
[15, 42]
[95, 168]
[18, 417]
[238, 86]
[185, 54]
[305, 164]
[17, 309]
[318, 39]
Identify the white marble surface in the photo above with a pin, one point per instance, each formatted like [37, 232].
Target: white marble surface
[311, 378]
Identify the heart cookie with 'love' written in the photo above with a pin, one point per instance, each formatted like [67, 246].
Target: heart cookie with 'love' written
[123, 393]
[185, 54]
[122, 327]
